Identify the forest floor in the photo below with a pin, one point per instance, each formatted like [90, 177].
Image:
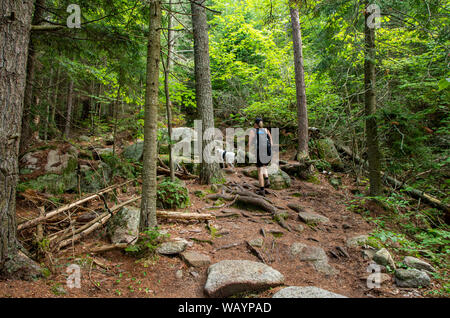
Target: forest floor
[163, 276]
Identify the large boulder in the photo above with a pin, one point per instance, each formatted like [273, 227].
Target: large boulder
[305, 292]
[411, 278]
[418, 264]
[328, 152]
[277, 177]
[134, 152]
[59, 160]
[124, 226]
[230, 277]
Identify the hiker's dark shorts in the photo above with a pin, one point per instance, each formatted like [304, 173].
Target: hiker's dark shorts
[259, 164]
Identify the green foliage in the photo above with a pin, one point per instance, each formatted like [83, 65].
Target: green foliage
[172, 194]
[147, 243]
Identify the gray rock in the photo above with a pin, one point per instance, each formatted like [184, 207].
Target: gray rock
[230, 277]
[277, 177]
[418, 264]
[179, 274]
[57, 162]
[368, 253]
[299, 228]
[84, 138]
[124, 225]
[411, 277]
[171, 248]
[383, 257]
[258, 242]
[312, 218]
[195, 259]
[23, 267]
[279, 180]
[357, 241]
[315, 255]
[327, 151]
[308, 253]
[305, 292]
[295, 206]
[134, 152]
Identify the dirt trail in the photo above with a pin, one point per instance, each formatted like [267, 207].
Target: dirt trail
[127, 277]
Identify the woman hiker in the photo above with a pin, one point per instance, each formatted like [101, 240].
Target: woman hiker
[261, 141]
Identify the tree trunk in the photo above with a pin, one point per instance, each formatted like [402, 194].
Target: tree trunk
[55, 101]
[209, 172]
[116, 116]
[167, 90]
[302, 113]
[373, 150]
[14, 40]
[148, 203]
[47, 108]
[31, 66]
[69, 109]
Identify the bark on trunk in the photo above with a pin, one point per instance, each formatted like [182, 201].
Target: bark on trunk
[14, 40]
[148, 203]
[69, 109]
[30, 67]
[167, 90]
[209, 172]
[302, 113]
[373, 150]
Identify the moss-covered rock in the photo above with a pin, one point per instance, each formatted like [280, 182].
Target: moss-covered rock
[278, 180]
[134, 152]
[328, 152]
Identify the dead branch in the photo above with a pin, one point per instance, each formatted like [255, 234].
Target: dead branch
[68, 206]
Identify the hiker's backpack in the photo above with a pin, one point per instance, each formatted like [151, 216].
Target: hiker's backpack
[268, 144]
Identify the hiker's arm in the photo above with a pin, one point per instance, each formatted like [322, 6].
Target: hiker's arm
[270, 136]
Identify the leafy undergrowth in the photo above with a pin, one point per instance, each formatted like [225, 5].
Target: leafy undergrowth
[409, 229]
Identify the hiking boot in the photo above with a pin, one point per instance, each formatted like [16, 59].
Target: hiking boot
[261, 192]
[266, 183]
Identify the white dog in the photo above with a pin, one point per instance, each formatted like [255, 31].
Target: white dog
[227, 158]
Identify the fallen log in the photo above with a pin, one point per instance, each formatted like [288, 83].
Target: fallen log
[398, 184]
[66, 207]
[108, 247]
[184, 216]
[180, 175]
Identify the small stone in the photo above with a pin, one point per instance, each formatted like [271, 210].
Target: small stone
[171, 248]
[411, 277]
[312, 218]
[418, 264]
[305, 292]
[299, 228]
[258, 242]
[179, 274]
[294, 206]
[368, 253]
[345, 226]
[194, 274]
[357, 241]
[383, 257]
[195, 259]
